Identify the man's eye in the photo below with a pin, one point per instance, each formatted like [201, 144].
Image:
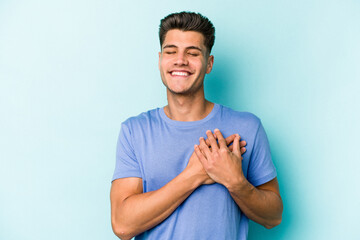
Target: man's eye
[170, 52]
[193, 54]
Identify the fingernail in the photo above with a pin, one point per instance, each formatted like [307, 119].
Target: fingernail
[216, 129]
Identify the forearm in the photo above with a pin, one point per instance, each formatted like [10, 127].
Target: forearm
[143, 211]
[262, 206]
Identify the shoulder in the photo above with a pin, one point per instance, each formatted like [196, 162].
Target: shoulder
[246, 118]
[142, 120]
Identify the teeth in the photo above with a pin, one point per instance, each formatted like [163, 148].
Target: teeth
[180, 73]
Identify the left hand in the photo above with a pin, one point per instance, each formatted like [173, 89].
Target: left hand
[223, 165]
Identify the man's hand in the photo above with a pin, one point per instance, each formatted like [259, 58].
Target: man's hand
[197, 167]
[222, 163]
[261, 204]
[229, 141]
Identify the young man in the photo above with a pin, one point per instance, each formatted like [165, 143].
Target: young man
[181, 170]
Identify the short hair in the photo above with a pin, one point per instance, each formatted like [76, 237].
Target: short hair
[188, 21]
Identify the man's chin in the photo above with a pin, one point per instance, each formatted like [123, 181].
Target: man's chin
[183, 92]
[178, 91]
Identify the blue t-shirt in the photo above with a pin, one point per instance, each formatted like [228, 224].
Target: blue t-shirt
[156, 148]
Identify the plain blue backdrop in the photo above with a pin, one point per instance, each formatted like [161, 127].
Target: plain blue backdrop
[72, 71]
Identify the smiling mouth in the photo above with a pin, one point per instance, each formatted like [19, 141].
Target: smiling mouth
[179, 73]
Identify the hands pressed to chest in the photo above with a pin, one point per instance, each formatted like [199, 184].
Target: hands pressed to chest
[221, 161]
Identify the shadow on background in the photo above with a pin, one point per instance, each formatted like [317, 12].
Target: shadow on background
[227, 85]
[223, 85]
[256, 231]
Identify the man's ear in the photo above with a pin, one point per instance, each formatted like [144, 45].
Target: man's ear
[210, 64]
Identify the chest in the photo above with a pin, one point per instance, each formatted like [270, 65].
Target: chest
[164, 155]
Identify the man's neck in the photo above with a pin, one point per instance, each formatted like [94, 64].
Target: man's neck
[187, 108]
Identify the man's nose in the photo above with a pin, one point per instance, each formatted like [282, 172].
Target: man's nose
[181, 59]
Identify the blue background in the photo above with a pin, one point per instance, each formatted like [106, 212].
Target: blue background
[72, 71]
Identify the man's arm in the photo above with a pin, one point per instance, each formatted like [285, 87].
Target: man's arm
[133, 212]
[262, 204]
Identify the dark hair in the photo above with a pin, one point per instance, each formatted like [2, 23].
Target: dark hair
[188, 21]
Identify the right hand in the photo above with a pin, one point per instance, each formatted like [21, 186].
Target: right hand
[197, 169]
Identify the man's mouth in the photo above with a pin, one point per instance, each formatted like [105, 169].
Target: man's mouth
[180, 73]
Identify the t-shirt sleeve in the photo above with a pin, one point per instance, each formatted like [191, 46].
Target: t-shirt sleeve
[261, 167]
[126, 163]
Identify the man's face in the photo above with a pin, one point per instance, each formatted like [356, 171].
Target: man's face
[184, 61]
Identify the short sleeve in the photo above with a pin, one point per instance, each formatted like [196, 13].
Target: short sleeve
[126, 162]
[261, 167]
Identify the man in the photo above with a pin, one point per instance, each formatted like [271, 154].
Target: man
[176, 175]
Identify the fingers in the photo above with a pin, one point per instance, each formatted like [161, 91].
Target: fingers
[242, 147]
[236, 145]
[242, 150]
[230, 139]
[207, 142]
[220, 138]
[200, 155]
[212, 140]
[204, 148]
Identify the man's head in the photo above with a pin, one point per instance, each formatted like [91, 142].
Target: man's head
[188, 21]
[186, 40]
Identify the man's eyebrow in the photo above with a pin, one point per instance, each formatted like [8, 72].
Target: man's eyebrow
[194, 47]
[169, 46]
[190, 47]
